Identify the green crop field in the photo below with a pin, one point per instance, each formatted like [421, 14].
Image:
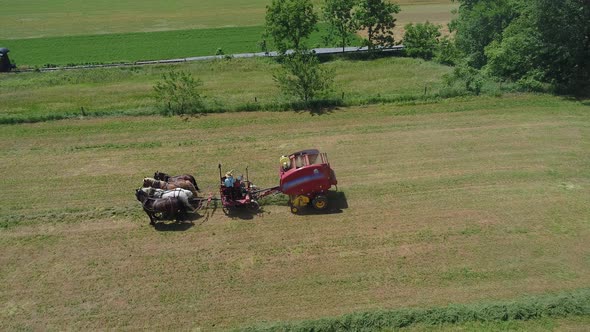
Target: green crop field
[457, 201]
[132, 47]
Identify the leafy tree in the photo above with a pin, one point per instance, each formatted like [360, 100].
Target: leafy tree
[479, 23]
[302, 76]
[563, 30]
[338, 14]
[376, 17]
[178, 93]
[290, 22]
[421, 40]
[549, 43]
[447, 52]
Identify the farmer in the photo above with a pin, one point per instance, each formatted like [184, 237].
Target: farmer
[229, 179]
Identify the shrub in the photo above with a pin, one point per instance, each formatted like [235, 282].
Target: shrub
[178, 94]
[421, 40]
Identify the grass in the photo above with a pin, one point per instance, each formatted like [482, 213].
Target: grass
[466, 200]
[228, 85]
[537, 307]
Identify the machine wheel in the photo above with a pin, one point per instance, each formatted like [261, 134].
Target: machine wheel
[320, 202]
[294, 209]
[254, 206]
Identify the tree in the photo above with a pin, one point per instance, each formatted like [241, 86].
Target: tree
[564, 32]
[290, 22]
[376, 17]
[549, 43]
[302, 76]
[479, 23]
[338, 14]
[421, 40]
[447, 52]
[178, 93]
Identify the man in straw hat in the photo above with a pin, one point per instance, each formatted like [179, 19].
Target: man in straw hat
[229, 179]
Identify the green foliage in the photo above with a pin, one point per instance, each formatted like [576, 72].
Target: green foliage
[534, 43]
[479, 23]
[376, 17]
[178, 94]
[290, 22]
[447, 52]
[576, 303]
[465, 79]
[338, 14]
[302, 76]
[422, 40]
[561, 30]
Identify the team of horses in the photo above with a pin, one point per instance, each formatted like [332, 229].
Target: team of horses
[166, 197]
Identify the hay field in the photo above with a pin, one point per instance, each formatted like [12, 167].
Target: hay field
[27, 19]
[459, 201]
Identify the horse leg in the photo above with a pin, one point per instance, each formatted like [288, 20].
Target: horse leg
[150, 216]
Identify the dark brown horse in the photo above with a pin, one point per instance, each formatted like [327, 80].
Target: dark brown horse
[160, 208]
[153, 183]
[173, 178]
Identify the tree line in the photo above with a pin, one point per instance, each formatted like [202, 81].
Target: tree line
[533, 42]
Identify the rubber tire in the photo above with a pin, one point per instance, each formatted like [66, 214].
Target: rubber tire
[254, 206]
[320, 202]
[294, 209]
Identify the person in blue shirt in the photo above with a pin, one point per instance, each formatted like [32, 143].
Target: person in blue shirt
[229, 179]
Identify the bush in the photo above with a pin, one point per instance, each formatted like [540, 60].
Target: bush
[178, 94]
[465, 77]
[421, 40]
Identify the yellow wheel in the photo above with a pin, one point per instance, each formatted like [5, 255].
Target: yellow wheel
[294, 209]
[320, 202]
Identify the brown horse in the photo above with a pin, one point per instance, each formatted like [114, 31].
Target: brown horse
[160, 208]
[153, 183]
[173, 178]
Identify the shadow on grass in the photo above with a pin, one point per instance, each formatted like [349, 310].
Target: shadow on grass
[337, 202]
[186, 223]
[242, 213]
[318, 107]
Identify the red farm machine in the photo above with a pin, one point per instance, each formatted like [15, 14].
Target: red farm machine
[305, 176]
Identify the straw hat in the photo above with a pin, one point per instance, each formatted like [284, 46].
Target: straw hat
[230, 173]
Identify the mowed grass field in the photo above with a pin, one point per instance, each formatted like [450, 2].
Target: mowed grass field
[77, 32]
[459, 201]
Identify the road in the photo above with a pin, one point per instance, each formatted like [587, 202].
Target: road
[325, 51]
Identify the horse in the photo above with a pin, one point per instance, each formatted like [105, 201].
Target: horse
[160, 208]
[185, 196]
[173, 178]
[153, 183]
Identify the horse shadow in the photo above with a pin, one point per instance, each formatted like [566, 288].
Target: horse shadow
[173, 227]
[185, 223]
